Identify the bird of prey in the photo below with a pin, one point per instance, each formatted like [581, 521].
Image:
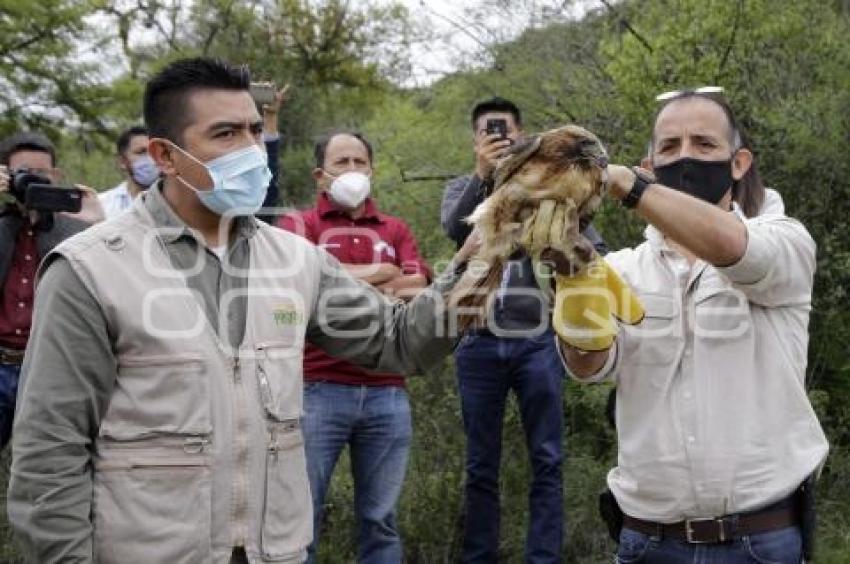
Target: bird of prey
[545, 191]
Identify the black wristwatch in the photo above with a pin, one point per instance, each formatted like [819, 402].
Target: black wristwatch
[642, 180]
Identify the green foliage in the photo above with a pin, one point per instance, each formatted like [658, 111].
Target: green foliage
[34, 71]
[326, 51]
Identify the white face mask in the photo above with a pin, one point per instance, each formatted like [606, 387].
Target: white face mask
[349, 190]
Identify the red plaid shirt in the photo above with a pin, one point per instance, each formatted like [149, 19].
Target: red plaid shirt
[372, 238]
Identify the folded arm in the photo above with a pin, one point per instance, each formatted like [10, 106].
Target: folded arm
[355, 321]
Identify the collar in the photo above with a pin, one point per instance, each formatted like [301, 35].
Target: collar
[773, 203]
[171, 228]
[326, 209]
[122, 190]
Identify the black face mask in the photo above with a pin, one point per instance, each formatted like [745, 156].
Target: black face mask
[706, 180]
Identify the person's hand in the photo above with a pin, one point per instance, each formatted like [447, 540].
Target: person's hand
[620, 180]
[488, 150]
[280, 98]
[6, 197]
[91, 210]
[4, 179]
[270, 111]
[587, 304]
[551, 235]
[589, 294]
[374, 273]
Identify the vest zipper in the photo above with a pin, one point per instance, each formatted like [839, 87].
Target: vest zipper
[272, 459]
[273, 448]
[265, 389]
[237, 377]
[192, 444]
[158, 448]
[195, 445]
[240, 450]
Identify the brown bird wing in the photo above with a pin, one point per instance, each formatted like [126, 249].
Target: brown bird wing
[517, 156]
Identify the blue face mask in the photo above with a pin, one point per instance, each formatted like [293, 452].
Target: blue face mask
[144, 171]
[240, 181]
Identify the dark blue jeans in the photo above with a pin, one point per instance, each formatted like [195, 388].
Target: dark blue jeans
[488, 367]
[9, 374]
[375, 422]
[782, 546]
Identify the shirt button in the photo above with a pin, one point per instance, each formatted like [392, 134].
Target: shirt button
[687, 395]
[24, 280]
[27, 257]
[692, 439]
[356, 240]
[21, 305]
[29, 232]
[17, 331]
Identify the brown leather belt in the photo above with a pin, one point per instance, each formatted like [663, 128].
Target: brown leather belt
[11, 356]
[717, 529]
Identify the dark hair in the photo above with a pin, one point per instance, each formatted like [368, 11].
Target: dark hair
[166, 107]
[322, 145]
[749, 190]
[495, 104]
[123, 141]
[26, 141]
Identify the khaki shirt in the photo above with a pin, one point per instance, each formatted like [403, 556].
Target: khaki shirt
[712, 412]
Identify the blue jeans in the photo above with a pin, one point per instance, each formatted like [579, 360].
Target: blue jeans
[782, 546]
[375, 422]
[9, 374]
[488, 367]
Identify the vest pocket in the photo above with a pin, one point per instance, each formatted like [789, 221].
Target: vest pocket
[279, 378]
[152, 501]
[157, 395]
[287, 522]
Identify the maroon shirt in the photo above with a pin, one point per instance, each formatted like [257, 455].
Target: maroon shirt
[372, 238]
[16, 300]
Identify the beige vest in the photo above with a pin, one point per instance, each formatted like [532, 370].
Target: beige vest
[199, 450]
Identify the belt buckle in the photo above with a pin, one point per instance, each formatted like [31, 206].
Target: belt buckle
[689, 530]
[8, 356]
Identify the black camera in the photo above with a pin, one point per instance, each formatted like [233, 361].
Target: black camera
[37, 192]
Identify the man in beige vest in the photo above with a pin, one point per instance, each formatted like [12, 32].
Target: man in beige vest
[160, 403]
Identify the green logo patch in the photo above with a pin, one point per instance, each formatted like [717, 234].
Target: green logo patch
[287, 315]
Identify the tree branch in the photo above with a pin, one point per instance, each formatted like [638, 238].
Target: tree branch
[735, 26]
[625, 23]
[42, 34]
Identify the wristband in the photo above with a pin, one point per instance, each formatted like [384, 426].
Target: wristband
[638, 188]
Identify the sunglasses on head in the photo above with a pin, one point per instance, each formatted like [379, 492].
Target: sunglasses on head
[663, 97]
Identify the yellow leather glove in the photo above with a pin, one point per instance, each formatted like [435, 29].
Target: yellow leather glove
[587, 303]
[588, 292]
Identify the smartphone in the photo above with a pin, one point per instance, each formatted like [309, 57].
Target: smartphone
[498, 126]
[49, 198]
[263, 92]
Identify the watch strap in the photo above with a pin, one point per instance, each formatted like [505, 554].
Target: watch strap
[638, 187]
